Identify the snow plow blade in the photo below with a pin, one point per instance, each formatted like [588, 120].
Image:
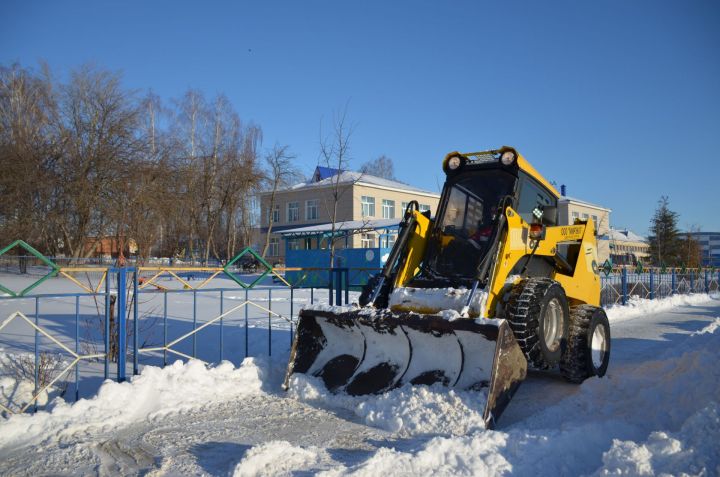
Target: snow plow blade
[358, 353]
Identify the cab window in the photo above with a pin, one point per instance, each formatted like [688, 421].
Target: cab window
[532, 196]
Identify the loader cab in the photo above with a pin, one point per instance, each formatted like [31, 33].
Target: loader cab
[473, 196]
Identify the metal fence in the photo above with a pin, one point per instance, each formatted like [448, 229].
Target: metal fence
[618, 286]
[107, 322]
[100, 323]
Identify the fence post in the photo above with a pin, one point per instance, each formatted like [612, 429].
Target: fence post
[164, 328]
[707, 282]
[623, 279]
[330, 287]
[652, 284]
[77, 346]
[269, 321]
[194, 336]
[246, 323]
[37, 352]
[121, 331]
[222, 310]
[347, 286]
[292, 301]
[338, 286]
[672, 283]
[136, 327]
[106, 369]
[692, 281]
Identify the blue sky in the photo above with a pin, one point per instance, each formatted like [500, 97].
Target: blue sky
[620, 100]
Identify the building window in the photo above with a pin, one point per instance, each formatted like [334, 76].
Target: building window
[368, 206]
[367, 241]
[274, 249]
[294, 244]
[276, 213]
[387, 241]
[575, 216]
[308, 243]
[403, 206]
[293, 211]
[311, 209]
[585, 216]
[424, 208]
[388, 209]
[596, 222]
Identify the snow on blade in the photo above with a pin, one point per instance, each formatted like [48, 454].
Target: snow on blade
[436, 300]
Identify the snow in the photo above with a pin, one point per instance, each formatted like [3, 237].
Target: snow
[657, 412]
[406, 411]
[17, 383]
[278, 458]
[151, 395]
[637, 307]
[444, 301]
[691, 451]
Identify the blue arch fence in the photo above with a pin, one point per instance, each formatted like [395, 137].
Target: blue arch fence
[136, 318]
[621, 285]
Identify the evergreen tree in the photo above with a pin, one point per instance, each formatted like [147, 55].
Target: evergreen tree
[665, 240]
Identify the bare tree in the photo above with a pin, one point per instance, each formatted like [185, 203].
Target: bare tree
[239, 183]
[335, 153]
[98, 128]
[280, 172]
[381, 167]
[691, 248]
[29, 152]
[86, 160]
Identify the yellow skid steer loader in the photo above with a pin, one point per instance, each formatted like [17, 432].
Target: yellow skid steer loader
[470, 298]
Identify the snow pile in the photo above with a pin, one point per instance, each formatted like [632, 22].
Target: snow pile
[637, 306]
[693, 450]
[154, 393]
[435, 300]
[477, 455]
[278, 458]
[407, 411]
[17, 378]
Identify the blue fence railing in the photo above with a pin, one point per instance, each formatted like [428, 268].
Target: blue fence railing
[129, 317]
[622, 284]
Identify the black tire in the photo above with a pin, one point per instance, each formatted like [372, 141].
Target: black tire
[537, 305]
[589, 328]
[366, 293]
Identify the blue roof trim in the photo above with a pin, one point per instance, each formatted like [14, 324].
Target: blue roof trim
[324, 172]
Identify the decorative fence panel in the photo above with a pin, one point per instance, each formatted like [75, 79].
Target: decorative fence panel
[619, 285]
[92, 323]
[64, 329]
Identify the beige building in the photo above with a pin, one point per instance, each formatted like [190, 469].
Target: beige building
[627, 248]
[571, 209]
[361, 199]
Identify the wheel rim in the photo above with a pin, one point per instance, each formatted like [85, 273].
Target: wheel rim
[599, 346]
[553, 326]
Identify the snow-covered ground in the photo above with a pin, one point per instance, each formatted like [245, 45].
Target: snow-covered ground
[656, 412]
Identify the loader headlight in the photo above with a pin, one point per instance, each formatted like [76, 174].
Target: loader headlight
[507, 157]
[453, 162]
